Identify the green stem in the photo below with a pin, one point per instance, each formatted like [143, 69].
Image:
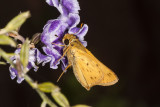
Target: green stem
[41, 94]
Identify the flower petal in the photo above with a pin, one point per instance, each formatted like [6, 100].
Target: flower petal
[70, 6]
[54, 54]
[13, 72]
[60, 32]
[19, 80]
[42, 58]
[73, 30]
[64, 63]
[32, 55]
[34, 66]
[73, 20]
[84, 43]
[51, 29]
[17, 51]
[54, 3]
[80, 33]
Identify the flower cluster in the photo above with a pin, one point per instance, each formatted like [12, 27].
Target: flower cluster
[55, 29]
[34, 56]
[53, 32]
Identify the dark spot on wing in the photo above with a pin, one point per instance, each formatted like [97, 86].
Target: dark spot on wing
[109, 74]
[97, 65]
[87, 64]
[95, 77]
[91, 77]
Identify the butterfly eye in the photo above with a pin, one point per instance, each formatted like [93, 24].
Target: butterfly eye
[66, 41]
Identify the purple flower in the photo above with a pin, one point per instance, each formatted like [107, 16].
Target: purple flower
[34, 56]
[55, 29]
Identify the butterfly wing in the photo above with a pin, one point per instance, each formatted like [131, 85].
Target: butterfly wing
[85, 71]
[110, 77]
[89, 71]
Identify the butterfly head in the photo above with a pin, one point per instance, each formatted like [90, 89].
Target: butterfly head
[68, 38]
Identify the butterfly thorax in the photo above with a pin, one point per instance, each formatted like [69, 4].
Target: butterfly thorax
[72, 45]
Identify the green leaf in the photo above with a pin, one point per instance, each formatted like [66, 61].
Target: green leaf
[16, 22]
[24, 54]
[60, 98]
[2, 63]
[6, 56]
[81, 105]
[5, 40]
[47, 87]
[43, 104]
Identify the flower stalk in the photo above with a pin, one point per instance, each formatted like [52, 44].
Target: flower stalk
[43, 96]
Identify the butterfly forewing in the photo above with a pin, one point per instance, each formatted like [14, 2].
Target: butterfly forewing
[85, 69]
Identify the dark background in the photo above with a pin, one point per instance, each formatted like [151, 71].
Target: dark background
[123, 34]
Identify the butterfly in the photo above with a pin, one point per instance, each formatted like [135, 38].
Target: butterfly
[88, 70]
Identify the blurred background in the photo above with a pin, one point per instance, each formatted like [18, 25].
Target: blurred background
[123, 34]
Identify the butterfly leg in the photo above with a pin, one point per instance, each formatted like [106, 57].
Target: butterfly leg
[63, 72]
[62, 55]
[58, 44]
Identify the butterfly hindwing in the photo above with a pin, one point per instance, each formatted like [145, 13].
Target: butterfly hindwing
[110, 77]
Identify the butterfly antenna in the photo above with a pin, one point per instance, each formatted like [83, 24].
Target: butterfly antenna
[60, 76]
[63, 72]
[80, 28]
[81, 25]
